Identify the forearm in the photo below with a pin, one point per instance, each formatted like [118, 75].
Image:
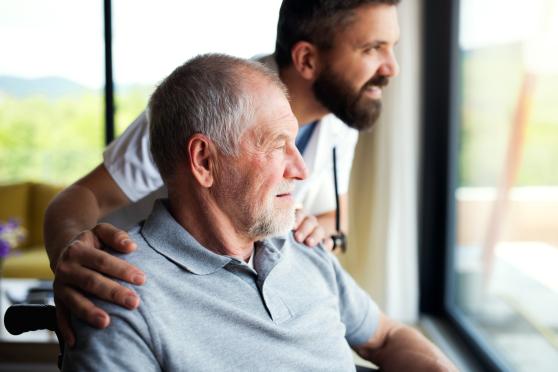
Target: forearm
[79, 207]
[327, 220]
[75, 209]
[405, 348]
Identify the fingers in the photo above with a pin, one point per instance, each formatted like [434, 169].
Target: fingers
[79, 255]
[309, 231]
[328, 244]
[299, 217]
[83, 267]
[63, 322]
[79, 270]
[72, 300]
[316, 236]
[82, 272]
[115, 238]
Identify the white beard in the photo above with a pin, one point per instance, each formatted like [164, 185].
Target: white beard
[271, 221]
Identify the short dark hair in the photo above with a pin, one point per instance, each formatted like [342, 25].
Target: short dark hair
[314, 21]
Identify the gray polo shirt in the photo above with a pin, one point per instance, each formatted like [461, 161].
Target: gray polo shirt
[297, 310]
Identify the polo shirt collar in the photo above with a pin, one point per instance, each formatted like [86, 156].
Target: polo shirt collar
[170, 239]
[166, 236]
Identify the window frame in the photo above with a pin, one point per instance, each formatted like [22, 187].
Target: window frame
[109, 81]
[439, 154]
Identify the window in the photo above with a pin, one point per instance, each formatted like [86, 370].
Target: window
[150, 39]
[51, 79]
[52, 124]
[490, 228]
[506, 248]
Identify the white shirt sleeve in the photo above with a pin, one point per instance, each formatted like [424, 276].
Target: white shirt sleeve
[129, 161]
[345, 153]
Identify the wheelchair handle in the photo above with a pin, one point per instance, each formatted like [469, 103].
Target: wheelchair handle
[30, 317]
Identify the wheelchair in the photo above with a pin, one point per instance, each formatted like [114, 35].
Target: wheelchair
[21, 318]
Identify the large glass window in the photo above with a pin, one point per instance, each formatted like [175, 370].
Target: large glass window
[51, 79]
[151, 38]
[506, 200]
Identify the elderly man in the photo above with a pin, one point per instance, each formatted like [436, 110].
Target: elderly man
[230, 288]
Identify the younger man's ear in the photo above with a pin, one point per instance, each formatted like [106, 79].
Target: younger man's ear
[304, 57]
[201, 159]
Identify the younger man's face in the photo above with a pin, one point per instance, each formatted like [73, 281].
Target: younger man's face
[359, 65]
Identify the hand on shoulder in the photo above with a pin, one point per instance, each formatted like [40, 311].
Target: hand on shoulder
[308, 231]
[85, 268]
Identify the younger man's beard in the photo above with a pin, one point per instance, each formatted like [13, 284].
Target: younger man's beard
[353, 108]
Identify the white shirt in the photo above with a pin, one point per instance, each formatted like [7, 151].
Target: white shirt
[129, 162]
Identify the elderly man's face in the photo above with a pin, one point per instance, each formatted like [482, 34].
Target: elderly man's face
[257, 185]
[359, 65]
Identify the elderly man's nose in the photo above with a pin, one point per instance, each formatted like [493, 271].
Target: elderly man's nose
[296, 168]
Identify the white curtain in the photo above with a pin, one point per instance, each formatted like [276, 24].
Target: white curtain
[382, 240]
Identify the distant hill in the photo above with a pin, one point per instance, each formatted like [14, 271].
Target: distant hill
[51, 87]
[55, 87]
[131, 88]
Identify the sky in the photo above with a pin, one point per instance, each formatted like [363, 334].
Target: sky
[532, 24]
[65, 37]
[489, 22]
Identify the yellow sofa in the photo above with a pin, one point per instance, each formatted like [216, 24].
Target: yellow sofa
[26, 202]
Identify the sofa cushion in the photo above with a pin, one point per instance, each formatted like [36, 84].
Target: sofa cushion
[26, 202]
[14, 204]
[30, 263]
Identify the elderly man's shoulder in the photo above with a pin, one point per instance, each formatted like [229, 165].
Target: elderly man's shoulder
[316, 258]
[157, 267]
[319, 252]
[160, 274]
[142, 254]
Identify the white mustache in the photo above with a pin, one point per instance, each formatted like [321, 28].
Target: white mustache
[285, 187]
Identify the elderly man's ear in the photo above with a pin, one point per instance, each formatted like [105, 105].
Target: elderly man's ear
[202, 159]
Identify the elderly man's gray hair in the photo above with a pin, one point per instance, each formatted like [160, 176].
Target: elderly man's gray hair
[209, 94]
